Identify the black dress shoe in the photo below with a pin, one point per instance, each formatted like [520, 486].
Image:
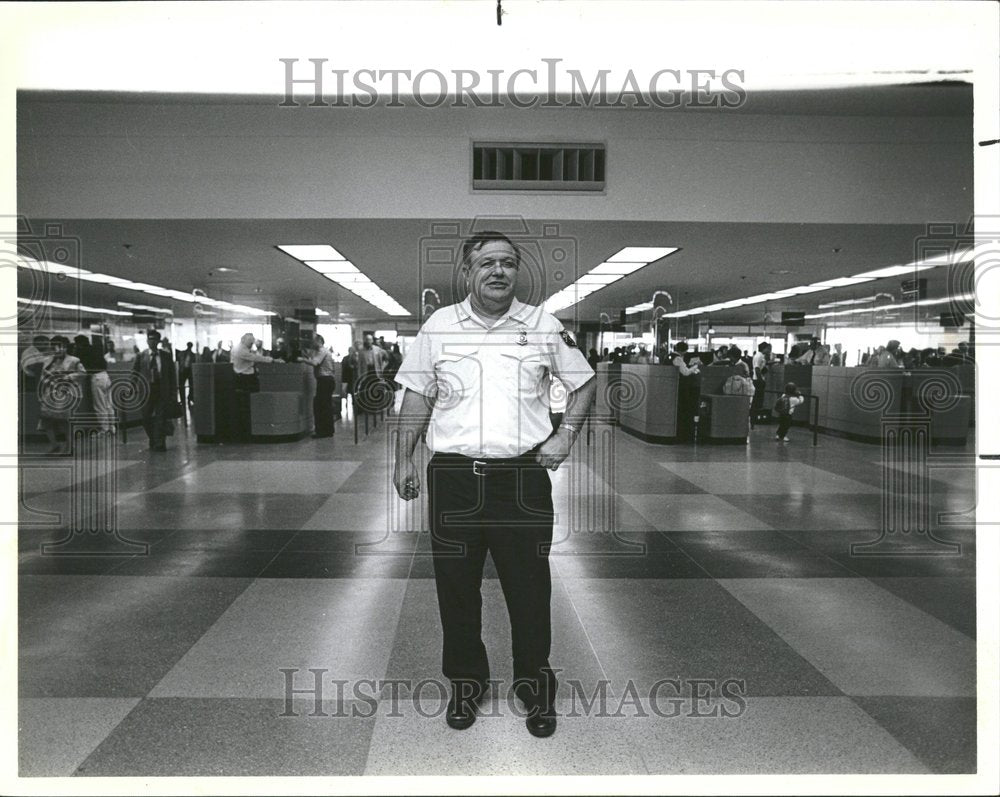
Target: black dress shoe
[541, 724]
[462, 713]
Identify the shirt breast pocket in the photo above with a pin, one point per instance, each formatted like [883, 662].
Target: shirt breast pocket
[526, 372]
[458, 377]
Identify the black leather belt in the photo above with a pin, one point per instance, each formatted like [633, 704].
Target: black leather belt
[487, 467]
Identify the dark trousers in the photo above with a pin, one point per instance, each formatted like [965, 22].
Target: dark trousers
[245, 384]
[154, 416]
[757, 402]
[323, 405]
[784, 424]
[508, 513]
[184, 379]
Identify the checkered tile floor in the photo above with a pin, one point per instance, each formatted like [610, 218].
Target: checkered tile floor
[729, 565]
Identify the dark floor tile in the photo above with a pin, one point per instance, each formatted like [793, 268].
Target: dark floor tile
[566, 543]
[233, 736]
[773, 563]
[651, 479]
[234, 510]
[338, 564]
[675, 564]
[84, 636]
[647, 630]
[102, 543]
[950, 599]
[37, 564]
[902, 565]
[196, 562]
[739, 540]
[941, 731]
[360, 542]
[798, 511]
[233, 541]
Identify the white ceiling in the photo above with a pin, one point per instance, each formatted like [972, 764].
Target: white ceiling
[716, 261]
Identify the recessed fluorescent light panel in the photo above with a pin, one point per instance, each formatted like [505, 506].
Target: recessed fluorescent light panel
[329, 263]
[46, 267]
[624, 262]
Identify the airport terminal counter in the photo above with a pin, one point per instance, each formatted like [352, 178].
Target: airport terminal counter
[282, 408]
[608, 378]
[726, 417]
[646, 400]
[80, 403]
[854, 401]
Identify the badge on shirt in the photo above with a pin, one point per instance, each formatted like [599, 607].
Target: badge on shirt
[522, 338]
[567, 339]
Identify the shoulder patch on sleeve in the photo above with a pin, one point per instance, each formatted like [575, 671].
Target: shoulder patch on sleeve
[567, 339]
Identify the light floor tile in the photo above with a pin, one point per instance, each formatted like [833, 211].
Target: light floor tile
[419, 742]
[235, 737]
[864, 639]
[766, 478]
[55, 735]
[345, 626]
[772, 735]
[693, 511]
[374, 512]
[281, 476]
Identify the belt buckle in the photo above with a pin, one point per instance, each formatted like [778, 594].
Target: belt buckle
[477, 465]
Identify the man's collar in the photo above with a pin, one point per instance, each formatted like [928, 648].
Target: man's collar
[518, 311]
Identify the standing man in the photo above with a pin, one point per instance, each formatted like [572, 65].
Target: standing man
[156, 369]
[761, 358]
[326, 383]
[185, 383]
[478, 374]
[243, 358]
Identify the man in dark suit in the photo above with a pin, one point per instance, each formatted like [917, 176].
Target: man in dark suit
[154, 369]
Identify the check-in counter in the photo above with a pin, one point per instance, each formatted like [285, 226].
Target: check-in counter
[608, 378]
[281, 408]
[854, 401]
[646, 400]
[727, 418]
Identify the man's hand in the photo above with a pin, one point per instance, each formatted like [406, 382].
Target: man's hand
[554, 451]
[406, 480]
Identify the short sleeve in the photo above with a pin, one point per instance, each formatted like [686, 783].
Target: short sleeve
[568, 362]
[417, 369]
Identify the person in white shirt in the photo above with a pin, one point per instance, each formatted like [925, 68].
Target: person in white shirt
[477, 379]
[761, 359]
[326, 383]
[244, 359]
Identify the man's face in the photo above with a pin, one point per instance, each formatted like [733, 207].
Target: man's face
[369, 340]
[492, 273]
[153, 342]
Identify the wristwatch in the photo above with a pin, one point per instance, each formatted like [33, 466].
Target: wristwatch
[570, 426]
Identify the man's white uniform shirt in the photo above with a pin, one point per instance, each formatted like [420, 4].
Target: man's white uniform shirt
[490, 380]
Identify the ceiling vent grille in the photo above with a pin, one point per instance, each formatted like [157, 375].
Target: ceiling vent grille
[537, 167]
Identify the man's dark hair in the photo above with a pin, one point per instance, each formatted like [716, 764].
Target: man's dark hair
[154, 333]
[60, 339]
[681, 347]
[476, 242]
[764, 345]
[39, 339]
